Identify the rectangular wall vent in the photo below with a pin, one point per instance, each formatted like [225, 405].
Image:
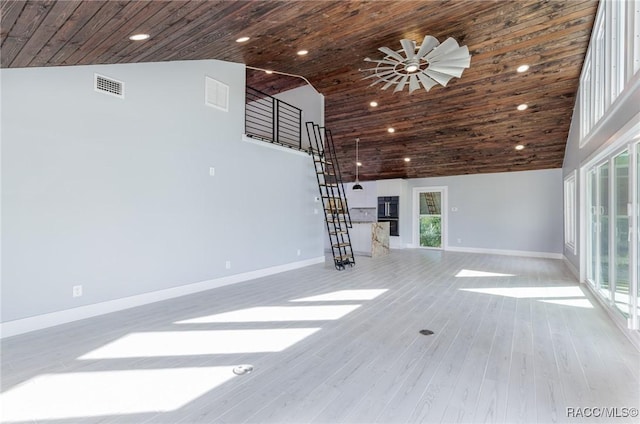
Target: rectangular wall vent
[108, 85]
[216, 94]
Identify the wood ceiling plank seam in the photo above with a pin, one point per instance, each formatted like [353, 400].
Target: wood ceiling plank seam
[159, 22]
[188, 49]
[529, 21]
[539, 27]
[119, 43]
[97, 43]
[236, 53]
[59, 42]
[58, 14]
[27, 23]
[552, 37]
[108, 10]
[10, 11]
[181, 29]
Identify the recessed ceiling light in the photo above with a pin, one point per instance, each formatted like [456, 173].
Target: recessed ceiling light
[302, 52]
[519, 147]
[242, 39]
[139, 37]
[407, 159]
[523, 106]
[359, 163]
[373, 104]
[391, 130]
[268, 72]
[523, 68]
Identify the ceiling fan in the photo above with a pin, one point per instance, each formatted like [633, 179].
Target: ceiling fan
[430, 64]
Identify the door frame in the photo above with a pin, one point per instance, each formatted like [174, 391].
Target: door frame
[415, 215]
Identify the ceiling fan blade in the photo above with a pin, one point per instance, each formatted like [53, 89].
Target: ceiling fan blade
[401, 84]
[381, 75]
[461, 52]
[447, 46]
[381, 61]
[427, 82]
[428, 44]
[414, 84]
[454, 71]
[394, 80]
[391, 53]
[456, 63]
[409, 47]
[440, 78]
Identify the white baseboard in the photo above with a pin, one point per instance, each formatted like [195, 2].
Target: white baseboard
[38, 322]
[526, 253]
[571, 267]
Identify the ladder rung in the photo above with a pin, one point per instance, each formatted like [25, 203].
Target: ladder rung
[330, 184]
[342, 245]
[334, 233]
[343, 257]
[323, 161]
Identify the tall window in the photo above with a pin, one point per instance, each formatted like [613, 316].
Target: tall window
[612, 59]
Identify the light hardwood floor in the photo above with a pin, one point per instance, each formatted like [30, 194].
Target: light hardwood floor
[515, 340]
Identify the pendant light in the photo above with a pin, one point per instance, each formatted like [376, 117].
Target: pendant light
[357, 185]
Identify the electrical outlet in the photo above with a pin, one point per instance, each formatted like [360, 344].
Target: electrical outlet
[212, 171]
[315, 211]
[299, 252]
[77, 291]
[227, 264]
[459, 240]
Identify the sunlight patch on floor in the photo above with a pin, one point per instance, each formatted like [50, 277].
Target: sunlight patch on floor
[475, 273]
[93, 394]
[579, 303]
[531, 292]
[277, 313]
[184, 343]
[363, 294]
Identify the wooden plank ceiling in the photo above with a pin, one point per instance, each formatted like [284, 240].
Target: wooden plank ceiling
[470, 126]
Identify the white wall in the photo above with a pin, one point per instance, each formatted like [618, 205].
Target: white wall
[512, 212]
[310, 102]
[115, 195]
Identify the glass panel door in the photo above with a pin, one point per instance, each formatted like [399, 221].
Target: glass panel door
[592, 236]
[603, 224]
[637, 254]
[620, 284]
[430, 216]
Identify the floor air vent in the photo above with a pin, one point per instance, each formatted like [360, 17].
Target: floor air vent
[109, 86]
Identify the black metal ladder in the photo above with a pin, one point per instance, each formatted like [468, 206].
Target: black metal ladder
[334, 201]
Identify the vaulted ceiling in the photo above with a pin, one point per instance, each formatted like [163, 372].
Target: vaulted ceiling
[470, 126]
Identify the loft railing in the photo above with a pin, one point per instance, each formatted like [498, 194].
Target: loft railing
[272, 120]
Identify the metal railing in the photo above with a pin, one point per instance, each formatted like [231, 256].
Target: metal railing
[272, 120]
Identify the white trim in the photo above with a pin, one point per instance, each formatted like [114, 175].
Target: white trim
[572, 268]
[618, 320]
[526, 253]
[629, 132]
[38, 322]
[444, 208]
[271, 145]
[621, 100]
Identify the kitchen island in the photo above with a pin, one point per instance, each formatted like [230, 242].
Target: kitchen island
[370, 238]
